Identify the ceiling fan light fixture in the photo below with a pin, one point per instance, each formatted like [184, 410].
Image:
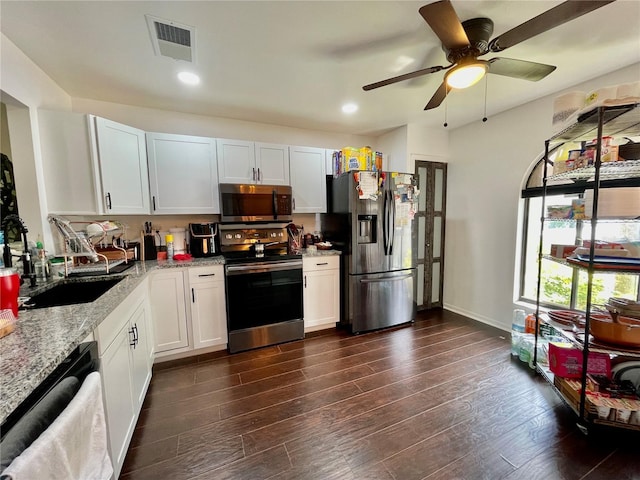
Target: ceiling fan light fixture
[466, 74]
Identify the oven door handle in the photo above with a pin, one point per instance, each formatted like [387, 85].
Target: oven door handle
[263, 267]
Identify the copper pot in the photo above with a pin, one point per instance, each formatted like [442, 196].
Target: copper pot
[615, 329]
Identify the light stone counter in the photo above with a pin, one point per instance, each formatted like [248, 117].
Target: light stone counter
[319, 253]
[44, 337]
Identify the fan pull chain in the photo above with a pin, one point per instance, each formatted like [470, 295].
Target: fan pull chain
[446, 97]
[486, 81]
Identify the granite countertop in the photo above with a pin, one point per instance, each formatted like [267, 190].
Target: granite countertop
[319, 253]
[44, 337]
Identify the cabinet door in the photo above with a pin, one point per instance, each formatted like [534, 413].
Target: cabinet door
[308, 181]
[118, 396]
[208, 314]
[208, 306]
[122, 156]
[168, 310]
[236, 161]
[183, 174]
[321, 294]
[69, 180]
[139, 351]
[272, 164]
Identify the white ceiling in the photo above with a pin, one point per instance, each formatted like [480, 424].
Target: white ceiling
[295, 63]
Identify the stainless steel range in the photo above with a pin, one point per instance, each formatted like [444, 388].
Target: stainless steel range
[264, 286]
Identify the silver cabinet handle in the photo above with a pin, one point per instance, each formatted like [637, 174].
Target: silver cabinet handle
[259, 176]
[108, 201]
[132, 338]
[254, 174]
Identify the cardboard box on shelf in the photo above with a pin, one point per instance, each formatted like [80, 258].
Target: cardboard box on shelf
[562, 251]
[623, 202]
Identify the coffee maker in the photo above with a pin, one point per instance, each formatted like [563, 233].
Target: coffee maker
[202, 239]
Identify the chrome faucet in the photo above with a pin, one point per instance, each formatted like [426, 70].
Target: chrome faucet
[28, 271]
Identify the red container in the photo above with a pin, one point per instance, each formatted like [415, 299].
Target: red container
[9, 290]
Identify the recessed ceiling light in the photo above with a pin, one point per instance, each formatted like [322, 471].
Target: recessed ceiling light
[349, 108]
[189, 78]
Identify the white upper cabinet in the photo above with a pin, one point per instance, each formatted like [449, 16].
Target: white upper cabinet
[69, 179]
[272, 164]
[122, 158]
[236, 161]
[308, 180]
[249, 162]
[183, 174]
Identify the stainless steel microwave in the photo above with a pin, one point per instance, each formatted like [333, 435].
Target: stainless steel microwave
[255, 203]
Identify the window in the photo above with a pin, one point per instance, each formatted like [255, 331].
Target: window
[562, 286]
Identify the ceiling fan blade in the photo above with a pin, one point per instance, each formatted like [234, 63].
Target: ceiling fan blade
[552, 18]
[439, 96]
[510, 67]
[444, 22]
[406, 76]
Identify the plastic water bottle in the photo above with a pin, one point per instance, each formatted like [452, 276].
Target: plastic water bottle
[517, 330]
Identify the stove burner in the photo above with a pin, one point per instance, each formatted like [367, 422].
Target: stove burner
[238, 242]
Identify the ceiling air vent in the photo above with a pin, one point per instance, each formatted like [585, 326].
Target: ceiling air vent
[170, 39]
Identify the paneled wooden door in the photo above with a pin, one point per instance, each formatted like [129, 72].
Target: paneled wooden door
[430, 221]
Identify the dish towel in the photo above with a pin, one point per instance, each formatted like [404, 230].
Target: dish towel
[74, 447]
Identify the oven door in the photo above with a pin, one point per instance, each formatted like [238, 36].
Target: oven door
[264, 303]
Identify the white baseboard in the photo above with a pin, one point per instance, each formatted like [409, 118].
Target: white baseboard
[475, 316]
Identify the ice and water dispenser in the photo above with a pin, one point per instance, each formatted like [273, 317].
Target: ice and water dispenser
[367, 228]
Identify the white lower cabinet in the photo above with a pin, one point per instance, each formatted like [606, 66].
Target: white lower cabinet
[189, 310]
[321, 294]
[169, 310]
[208, 306]
[125, 345]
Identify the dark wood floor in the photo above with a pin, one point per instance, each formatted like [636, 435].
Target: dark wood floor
[440, 399]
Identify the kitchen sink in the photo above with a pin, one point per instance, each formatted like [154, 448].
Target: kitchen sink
[71, 293]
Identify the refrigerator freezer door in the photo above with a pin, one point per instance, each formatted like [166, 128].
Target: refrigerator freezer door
[382, 300]
[402, 234]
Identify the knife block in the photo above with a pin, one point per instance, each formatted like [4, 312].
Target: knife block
[149, 247]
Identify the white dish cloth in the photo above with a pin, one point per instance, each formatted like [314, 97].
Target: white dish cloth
[74, 447]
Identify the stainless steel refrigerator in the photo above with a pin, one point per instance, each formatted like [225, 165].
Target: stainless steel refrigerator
[371, 222]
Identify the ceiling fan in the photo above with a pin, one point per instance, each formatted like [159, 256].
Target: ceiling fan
[464, 42]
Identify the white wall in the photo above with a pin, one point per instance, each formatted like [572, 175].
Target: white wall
[423, 140]
[25, 88]
[393, 146]
[488, 164]
[154, 120]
